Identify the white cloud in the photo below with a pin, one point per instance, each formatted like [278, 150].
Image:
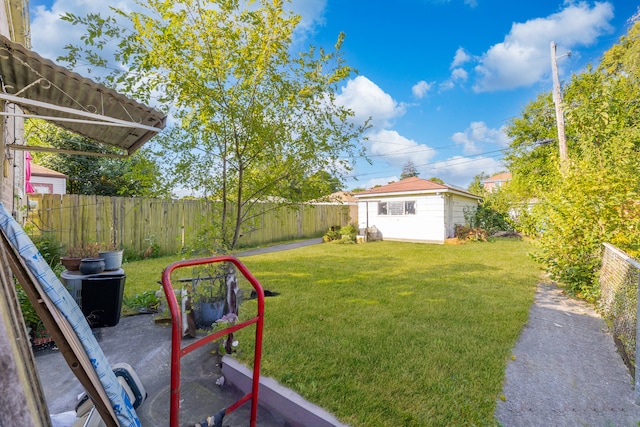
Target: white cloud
[396, 149]
[460, 171]
[459, 74]
[366, 99]
[311, 14]
[379, 181]
[49, 34]
[421, 89]
[461, 57]
[523, 57]
[446, 85]
[477, 134]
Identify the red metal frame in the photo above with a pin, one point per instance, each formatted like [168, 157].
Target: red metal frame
[177, 352]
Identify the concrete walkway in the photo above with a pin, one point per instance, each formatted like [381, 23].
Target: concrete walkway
[278, 248]
[146, 346]
[565, 370]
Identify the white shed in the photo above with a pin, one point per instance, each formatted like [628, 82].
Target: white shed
[414, 209]
[47, 181]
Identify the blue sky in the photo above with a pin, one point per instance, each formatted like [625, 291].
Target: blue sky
[440, 78]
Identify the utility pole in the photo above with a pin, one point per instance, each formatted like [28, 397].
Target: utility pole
[557, 99]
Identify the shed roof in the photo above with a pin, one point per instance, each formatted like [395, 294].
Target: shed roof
[74, 102]
[411, 186]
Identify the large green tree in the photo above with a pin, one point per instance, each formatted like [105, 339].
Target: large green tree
[595, 199]
[136, 176]
[252, 115]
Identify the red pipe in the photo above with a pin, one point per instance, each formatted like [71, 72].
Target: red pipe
[176, 336]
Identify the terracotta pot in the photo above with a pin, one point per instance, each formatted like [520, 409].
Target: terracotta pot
[70, 263]
[92, 265]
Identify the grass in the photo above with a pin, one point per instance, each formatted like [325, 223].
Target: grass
[391, 333]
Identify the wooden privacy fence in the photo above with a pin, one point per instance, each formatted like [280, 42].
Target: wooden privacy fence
[138, 223]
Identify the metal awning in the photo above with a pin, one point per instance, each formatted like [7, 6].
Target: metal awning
[53, 93]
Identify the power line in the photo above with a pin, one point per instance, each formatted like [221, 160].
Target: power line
[441, 164]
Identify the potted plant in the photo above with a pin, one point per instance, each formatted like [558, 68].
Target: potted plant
[208, 296]
[112, 257]
[75, 254]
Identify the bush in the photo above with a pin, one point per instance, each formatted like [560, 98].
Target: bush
[31, 319]
[346, 234]
[488, 218]
[581, 212]
[146, 301]
[49, 247]
[466, 233]
[332, 234]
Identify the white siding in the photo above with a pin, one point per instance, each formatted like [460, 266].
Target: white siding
[49, 184]
[427, 225]
[458, 205]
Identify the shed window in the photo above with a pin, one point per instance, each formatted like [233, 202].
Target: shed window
[382, 208]
[410, 208]
[397, 208]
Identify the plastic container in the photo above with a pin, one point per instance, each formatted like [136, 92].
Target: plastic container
[104, 292]
[102, 299]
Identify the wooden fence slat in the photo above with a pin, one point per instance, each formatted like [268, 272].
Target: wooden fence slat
[136, 223]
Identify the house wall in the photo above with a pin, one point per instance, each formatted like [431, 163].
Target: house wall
[22, 401]
[49, 184]
[427, 225]
[12, 129]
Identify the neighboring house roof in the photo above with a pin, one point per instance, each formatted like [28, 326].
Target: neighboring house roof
[342, 196]
[337, 197]
[493, 183]
[501, 177]
[38, 170]
[411, 186]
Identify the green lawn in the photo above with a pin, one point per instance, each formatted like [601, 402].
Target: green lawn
[390, 333]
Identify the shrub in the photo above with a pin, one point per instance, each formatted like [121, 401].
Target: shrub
[581, 212]
[463, 232]
[332, 234]
[488, 218]
[146, 301]
[346, 234]
[49, 247]
[29, 314]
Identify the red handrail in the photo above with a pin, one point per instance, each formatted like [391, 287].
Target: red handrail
[177, 352]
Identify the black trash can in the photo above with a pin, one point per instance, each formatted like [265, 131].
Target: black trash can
[102, 299]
